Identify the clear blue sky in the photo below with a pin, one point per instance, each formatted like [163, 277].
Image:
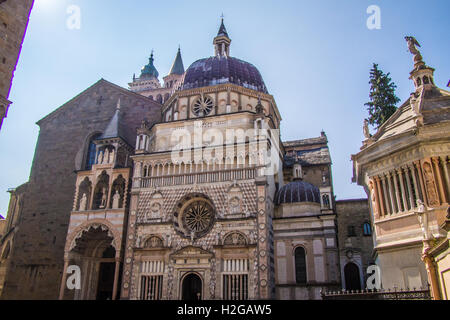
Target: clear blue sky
[314, 56]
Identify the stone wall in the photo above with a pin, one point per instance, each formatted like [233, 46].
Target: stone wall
[358, 248]
[37, 256]
[13, 22]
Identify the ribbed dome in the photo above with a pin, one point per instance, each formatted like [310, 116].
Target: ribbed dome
[221, 69]
[298, 191]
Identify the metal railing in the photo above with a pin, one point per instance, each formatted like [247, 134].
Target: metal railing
[382, 294]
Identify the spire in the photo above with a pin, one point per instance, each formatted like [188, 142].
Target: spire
[222, 30]
[149, 70]
[177, 66]
[222, 41]
[113, 128]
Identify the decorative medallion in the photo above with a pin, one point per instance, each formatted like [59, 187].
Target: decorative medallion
[263, 282]
[262, 253]
[262, 226]
[261, 212]
[263, 267]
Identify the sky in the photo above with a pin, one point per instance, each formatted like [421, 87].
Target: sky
[314, 56]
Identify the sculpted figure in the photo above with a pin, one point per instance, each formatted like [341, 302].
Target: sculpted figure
[366, 129]
[116, 198]
[423, 219]
[106, 156]
[412, 43]
[111, 156]
[100, 157]
[103, 203]
[83, 202]
[430, 185]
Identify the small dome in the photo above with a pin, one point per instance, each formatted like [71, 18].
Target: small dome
[221, 69]
[149, 70]
[298, 191]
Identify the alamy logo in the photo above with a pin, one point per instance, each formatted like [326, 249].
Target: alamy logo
[74, 280]
[374, 20]
[74, 19]
[374, 279]
[205, 144]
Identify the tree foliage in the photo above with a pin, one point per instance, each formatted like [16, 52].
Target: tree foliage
[382, 97]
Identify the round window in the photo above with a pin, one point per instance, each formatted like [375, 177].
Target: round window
[198, 217]
[203, 106]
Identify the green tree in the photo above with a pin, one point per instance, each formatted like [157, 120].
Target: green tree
[382, 97]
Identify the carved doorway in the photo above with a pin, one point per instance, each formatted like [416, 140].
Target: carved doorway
[192, 287]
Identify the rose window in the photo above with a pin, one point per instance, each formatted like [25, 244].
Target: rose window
[203, 106]
[198, 217]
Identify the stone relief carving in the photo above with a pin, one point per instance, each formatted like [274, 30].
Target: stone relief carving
[373, 198]
[430, 185]
[234, 239]
[153, 242]
[212, 283]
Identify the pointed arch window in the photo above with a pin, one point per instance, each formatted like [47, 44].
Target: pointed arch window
[91, 150]
[367, 229]
[300, 265]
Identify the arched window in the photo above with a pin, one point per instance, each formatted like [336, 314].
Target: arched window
[300, 265]
[326, 201]
[367, 230]
[90, 154]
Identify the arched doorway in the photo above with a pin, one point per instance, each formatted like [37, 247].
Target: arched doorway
[93, 252]
[352, 279]
[192, 287]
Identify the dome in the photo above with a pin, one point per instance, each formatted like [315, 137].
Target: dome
[298, 191]
[223, 69]
[149, 70]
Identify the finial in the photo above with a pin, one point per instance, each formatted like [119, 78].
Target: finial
[151, 56]
[222, 16]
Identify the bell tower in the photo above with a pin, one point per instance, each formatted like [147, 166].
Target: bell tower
[222, 42]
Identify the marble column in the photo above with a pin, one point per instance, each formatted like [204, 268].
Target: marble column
[437, 170]
[408, 184]
[380, 196]
[446, 176]
[385, 192]
[391, 193]
[402, 187]
[397, 192]
[423, 192]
